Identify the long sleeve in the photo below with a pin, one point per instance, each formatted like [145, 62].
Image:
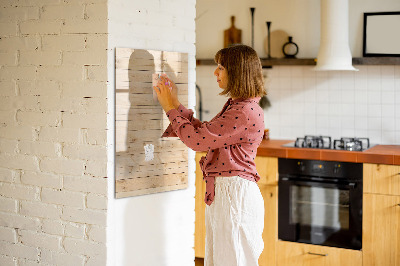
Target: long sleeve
[186, 113]
[222, 131]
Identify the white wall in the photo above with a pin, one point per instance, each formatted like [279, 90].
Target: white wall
[299, 18]
[156, 229]
[338, 104]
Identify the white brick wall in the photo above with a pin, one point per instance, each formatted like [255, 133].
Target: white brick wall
[53, 107]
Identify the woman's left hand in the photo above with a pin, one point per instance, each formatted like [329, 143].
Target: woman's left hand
[164, 96]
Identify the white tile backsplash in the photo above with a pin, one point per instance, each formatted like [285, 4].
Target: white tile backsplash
[364, 103]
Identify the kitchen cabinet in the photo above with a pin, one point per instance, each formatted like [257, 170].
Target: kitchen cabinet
[267, 167]
[381, 215]
[200, 207]
[290, 253]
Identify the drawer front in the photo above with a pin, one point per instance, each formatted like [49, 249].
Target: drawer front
[290, 253]
[381, 179]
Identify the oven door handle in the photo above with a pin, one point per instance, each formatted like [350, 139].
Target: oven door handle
[330, 184]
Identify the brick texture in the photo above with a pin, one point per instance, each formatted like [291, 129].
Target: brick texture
[53, 108]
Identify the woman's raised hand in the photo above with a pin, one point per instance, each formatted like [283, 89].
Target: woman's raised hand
[164, 94]
[174, 89]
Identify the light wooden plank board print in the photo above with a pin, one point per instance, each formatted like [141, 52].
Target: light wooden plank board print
[145, 163]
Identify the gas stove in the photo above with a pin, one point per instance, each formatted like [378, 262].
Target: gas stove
[325, 142]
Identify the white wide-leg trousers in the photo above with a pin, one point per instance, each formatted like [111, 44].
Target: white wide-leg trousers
[234, 223]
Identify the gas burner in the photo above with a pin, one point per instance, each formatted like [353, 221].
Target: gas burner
[321, 142]
[351, 144]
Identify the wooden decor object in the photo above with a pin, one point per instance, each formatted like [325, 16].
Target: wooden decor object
[145, 163]
[232, 35]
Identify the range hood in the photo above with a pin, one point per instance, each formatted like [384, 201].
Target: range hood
[334, 51]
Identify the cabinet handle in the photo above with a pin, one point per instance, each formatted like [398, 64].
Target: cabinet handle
[318, 254]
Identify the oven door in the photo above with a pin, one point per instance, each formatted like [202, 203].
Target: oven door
[321, 212]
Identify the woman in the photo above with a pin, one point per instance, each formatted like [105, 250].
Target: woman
[235, 207]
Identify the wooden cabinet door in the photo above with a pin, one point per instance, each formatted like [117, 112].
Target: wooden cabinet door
[381, 230]
[270, 233]
[381, 179]
[297, 254]
[267, 168]
[200, 207]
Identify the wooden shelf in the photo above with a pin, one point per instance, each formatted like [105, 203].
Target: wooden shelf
[312, 61]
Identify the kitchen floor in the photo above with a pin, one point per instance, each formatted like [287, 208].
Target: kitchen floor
[198, 262]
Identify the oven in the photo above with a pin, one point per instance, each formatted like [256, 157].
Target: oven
[320, 202]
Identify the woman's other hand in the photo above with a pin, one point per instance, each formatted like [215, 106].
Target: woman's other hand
[164, 95]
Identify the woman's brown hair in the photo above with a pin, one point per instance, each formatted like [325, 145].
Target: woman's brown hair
[245, 78]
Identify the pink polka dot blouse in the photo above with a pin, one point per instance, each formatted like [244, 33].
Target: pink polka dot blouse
[231, 139]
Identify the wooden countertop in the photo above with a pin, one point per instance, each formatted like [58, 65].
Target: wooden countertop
[379, 154]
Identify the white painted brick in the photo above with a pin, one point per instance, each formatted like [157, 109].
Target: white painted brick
[60, 73]
[7, 175]
[98, 169]
[62, 12]
[8, 234]
[25, 262]
[65, 42]
[7, 88]
[97, 234]
[29, 2]
[86, 184]
[8, 58]
[53, 227]
[87, 88]
[66, 135]
[63, 197]
[19, 43]
[97, 261]
[61, 259]
[16, 132]
[7, 204]
[84, 216]
[19, 251]
[18, 191]
[96, 42]
[98, 121]
[35, 239]
[41, 179]
[39, 148]
[96, 73]
[17, 161]
[19, 13]
[94, 201]
[19, 221]
[39, 118]
[73, 105]
[40, 27]
[8, 145]
[62, 166]
[75, 230]
[93, 136]
[39, 87]
[41, 210]
[89, 57]
[39, 58]
[97, 11]
[84, 26]
[8, 261]
[85, 152]
[7, 117]
[21, 102]
[84, 247]
[18, 72]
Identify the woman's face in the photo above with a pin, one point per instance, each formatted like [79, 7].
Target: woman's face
[222, 76]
